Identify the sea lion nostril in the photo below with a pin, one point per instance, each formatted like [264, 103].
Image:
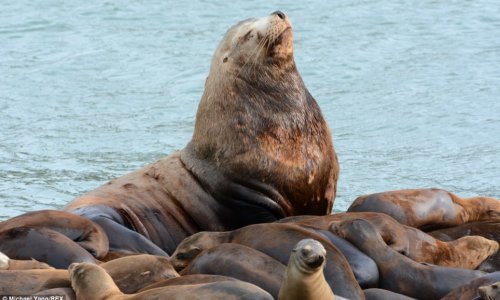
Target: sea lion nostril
[318, 261]
[279, 14]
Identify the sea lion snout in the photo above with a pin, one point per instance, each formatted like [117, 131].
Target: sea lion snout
[316, 261]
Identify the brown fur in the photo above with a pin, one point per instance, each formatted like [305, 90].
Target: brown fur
[261, 150]
[398, 273]
[91, 282]
[489, 230]
[87, 234]
[429, 208]
[130, 274]
[466, 252]
[278, 243]
[240, 262]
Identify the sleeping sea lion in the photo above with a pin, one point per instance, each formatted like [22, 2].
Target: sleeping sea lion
[429, 208]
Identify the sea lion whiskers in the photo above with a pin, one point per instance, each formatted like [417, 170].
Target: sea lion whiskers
[256, 52]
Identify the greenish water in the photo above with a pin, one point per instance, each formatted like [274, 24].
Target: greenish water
[90, 90]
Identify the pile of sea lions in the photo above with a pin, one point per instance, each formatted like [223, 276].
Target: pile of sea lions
[244, 210]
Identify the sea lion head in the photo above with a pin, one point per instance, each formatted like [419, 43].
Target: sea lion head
[254, 44]
[260, 130]
[90, 279]
[193, 245]
[490, 292]
[308, 256]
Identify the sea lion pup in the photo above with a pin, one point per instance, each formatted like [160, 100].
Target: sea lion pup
[304, 279]
[13, 264]
[469, 290]
[84, 232]
[276, 240]
[464, 252]
[44, 245]
[398, 273]
[91, 282]
[429, 208]
[240, 262]
[490, 292]
[489, 230]
[261, 150]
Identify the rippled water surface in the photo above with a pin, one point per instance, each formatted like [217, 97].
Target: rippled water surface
[90, 90]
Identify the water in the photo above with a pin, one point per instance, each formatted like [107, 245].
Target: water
[90, 90]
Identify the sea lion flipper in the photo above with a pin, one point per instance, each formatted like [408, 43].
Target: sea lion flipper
[123, 239]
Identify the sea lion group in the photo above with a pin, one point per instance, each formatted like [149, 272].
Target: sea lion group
[244, 210]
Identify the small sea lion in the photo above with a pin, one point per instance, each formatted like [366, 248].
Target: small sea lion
[90, 281]
[490, 292]
[429, 208]
[469, 290]
[240, 262]
[304, 279]
[489, 230]
[363, 267]
[464, 252]
[398, 273]
[278, 243]
[86, 233]
[44, 245]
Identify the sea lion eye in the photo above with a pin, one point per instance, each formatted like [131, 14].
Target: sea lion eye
[224, 60]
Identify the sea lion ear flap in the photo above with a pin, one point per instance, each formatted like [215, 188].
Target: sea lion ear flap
[195, 249]
[75, 269]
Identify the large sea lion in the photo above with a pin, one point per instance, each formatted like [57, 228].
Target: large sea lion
[276, 240]
[429, 208]
[87, 234]
[90, 281]
[304, 279]
[261, 150]
[398, 273]
[463, 252]
[240, 262]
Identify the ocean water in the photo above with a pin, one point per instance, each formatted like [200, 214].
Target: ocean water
[91, 90]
